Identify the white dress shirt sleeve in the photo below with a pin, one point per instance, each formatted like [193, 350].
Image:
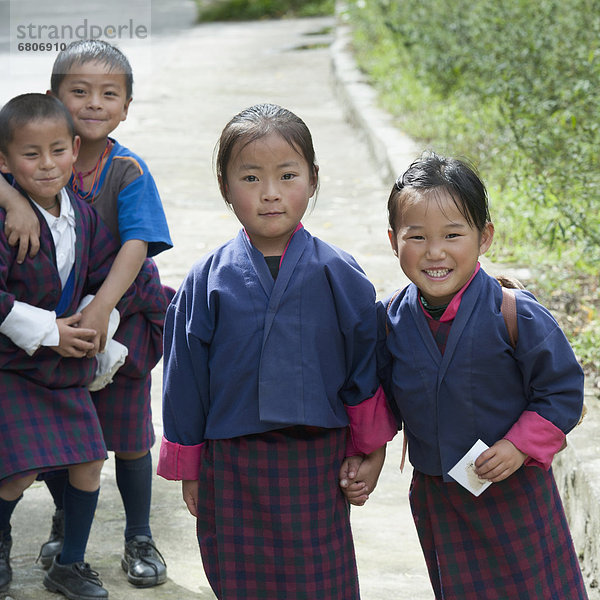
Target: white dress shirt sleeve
[30, 327]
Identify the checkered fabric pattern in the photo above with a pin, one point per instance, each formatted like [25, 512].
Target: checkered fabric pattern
[123, 406]
[44, 428]
[125, 414]
[273, 522]
[510, 543]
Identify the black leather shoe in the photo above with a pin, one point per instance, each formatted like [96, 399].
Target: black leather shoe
[54, 545]
[143, 563]
[76, 581]
[5, 570]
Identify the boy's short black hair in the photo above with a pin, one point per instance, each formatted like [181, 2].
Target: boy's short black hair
[81, 52]
[26, 108]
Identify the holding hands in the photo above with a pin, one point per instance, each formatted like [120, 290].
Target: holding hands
[359, 475]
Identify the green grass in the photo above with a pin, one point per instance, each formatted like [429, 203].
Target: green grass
[245, 10]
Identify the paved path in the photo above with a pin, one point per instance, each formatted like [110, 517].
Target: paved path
[199, 78]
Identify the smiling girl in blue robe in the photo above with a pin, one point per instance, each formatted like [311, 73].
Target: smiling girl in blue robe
[454, 377]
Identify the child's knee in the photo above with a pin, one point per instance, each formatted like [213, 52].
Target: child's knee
[131, 455]
[11, 490]
[86, 476]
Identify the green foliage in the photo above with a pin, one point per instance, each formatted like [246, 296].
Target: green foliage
[574, 297]
[512, 85]
[245, 10]
[586, 344]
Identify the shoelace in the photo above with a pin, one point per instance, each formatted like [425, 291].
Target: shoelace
[145, 550]
[58, 526]
[88, 573]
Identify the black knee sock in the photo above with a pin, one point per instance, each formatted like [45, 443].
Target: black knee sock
[134, 479]
[79, 509]
[6, 510]
[56, 482]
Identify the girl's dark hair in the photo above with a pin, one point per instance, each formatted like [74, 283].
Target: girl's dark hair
[456, 176]
[81, 52]
[26, 108]
[256, 122]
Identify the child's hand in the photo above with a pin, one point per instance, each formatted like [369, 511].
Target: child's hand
[500, 461]
[74, 341]
[95, 316]
[355, 491]
[189, 489]
[349, 469]
[22, 227]
[358, 488]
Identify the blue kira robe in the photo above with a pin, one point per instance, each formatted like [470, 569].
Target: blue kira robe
[47, 417]
[246, 354]
[513, 540]
[479, 387]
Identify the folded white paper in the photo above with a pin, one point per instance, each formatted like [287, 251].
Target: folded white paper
[464, 470]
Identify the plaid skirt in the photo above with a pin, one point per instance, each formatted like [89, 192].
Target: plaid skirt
[272, 520]
[125, 414]
[512, 542]
[124, 407]
[44, 429]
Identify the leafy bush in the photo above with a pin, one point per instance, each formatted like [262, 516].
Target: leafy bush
[513, 85]
[244, 10]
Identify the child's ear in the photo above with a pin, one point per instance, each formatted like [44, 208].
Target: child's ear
[76, 147]
[393, 240]
[126, 108]
[487, 237]
[223, 189]
[49, 93]
[4, 168]
[315, 179]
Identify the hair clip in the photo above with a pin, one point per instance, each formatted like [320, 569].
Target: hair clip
[399, 185]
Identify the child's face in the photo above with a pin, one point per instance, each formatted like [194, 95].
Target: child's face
[437, 248]
[40, 157]
[96, 98]
[268, 186]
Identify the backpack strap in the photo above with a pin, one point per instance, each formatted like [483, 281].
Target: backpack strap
[508, 308]
[509, 312]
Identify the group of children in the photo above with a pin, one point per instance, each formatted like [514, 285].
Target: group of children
[282, 373]
[82, 314]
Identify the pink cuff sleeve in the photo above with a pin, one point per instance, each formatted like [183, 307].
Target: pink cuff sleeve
[178, 462]
[372, 424]
[537, 437]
